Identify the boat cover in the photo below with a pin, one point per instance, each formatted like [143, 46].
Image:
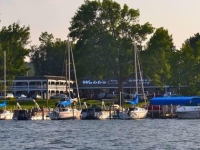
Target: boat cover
[3, 104]
[179, 100]
[134, 101]
[67, 102]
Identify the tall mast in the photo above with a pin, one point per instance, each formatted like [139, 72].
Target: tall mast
[69, 66]
[74, 69]
[136, 76]
[4, 74]
[141, 78]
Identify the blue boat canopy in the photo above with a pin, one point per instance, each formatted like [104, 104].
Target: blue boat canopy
[3, 104]
[133, 101]
[66, 103]
[179, 100]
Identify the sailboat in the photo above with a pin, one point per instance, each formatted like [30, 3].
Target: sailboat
[5, 114]
[63, 110]
[135, 112]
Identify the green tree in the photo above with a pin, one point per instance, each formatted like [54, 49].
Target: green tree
[13, 40]
[49, 57]
[104, 33]
[190, 66]
[157, 57]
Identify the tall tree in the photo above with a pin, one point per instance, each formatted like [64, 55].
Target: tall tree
[13, 40]
[157, 57]
[49, 57]
[104, 32]
[190, 66]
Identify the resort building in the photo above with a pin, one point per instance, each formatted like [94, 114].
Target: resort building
[46, 86]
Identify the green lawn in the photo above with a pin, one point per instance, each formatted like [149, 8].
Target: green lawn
[11, 103]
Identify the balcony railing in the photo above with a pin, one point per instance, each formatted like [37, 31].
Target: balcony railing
[38, 87]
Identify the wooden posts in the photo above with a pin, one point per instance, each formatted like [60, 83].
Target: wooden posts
[42, 113]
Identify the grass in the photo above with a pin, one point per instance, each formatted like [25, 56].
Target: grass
[12, 103]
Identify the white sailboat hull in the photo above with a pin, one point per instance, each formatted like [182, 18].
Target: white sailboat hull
[6, 115]
[65, 115]
[137, 113]
[188, 112]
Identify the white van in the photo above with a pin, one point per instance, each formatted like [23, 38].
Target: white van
[9, 95]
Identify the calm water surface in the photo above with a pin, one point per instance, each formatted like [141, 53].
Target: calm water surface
[148, 134]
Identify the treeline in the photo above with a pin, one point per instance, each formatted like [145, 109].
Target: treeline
[103, 33]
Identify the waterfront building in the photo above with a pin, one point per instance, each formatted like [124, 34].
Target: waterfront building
[46, 86]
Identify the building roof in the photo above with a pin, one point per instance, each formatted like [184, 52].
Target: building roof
[44, 77]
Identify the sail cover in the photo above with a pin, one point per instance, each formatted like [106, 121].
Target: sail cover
[134, 101]
[3, 104]
[67, 102]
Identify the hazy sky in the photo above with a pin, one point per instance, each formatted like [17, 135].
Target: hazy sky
[180, 17]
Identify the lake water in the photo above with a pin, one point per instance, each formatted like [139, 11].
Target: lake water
[147, 134]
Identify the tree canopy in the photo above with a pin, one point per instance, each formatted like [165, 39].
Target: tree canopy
[190, 65]
[49, 57]
[157, 57]
[13, 40]
[104, 32]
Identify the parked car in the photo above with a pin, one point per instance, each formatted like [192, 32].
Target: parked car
[20, 96]
[58, 96]
[101, 95]
[111, 95]
[8, 95]
[36, 96]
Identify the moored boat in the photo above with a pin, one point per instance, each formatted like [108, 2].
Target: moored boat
[188, 112]
[65, 113]
[6, 115]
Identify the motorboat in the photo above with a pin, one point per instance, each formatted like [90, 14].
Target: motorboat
[188, 112]
[35, 113]
[93, 113]
[100, 113]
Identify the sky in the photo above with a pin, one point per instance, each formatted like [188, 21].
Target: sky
[179, 17]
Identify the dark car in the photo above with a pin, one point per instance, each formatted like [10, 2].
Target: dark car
[58, 96]
[20, 96]
[36, 96]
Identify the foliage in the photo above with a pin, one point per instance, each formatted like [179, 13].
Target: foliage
[49, 57]
[190, 66]
[104, 32]
[13, 40]
[157, 57]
